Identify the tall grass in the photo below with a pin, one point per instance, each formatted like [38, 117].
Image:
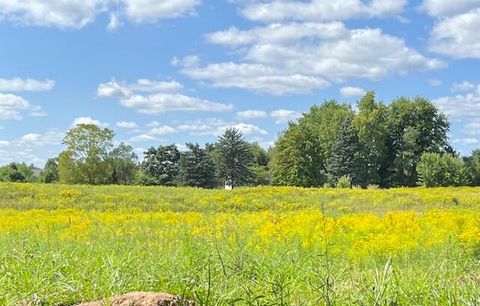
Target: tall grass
[253, 246]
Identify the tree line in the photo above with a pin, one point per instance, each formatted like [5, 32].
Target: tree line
[402, 143]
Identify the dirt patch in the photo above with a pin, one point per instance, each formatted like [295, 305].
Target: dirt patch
[143, 299]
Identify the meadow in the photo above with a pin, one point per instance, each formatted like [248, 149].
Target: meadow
[62, 245]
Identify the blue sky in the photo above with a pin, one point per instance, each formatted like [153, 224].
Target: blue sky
[173, 71]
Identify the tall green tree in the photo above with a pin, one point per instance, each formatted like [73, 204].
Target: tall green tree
[123, 164]
[301, 152]
[372, 127]
[234, 158]
[345, 159]
[261, 174]
[89, 146]
[415, 126]
[160, 165]
[68, 173]
[50, 171]
[196, 168]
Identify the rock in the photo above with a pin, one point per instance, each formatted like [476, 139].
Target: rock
[143, 299]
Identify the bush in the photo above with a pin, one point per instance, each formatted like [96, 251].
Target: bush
[436, 170]
[344, 182]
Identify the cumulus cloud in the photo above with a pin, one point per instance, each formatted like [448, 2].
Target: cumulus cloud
[126, 125]
[33, 147]
[154, 97]
[466, 105]
[12, 107]
[285, 115]
[296, 58]
[457, 36]
[445, 8]
[155, 130]
[88, 120]
[216, 127]
[76, 14]
[19, 84]
[251, 114]
[320, 10]
[153, 10]
[350, 91]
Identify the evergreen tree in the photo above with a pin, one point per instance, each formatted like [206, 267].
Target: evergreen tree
[160, 165]
[196, 168]
[234, 158]
[345, 155]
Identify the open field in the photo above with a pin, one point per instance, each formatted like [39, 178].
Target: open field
[251, 246]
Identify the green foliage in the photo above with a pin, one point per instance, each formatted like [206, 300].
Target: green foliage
[301, 152]
[371, 124]
[344, 182]
[122, 165]
[415, 126]
[196, 168]
[234, 158]
[160, 165]
[89, 146]
[50, 171]
[441, 170]
[260, 167]
[16, 172]
[68, 173]
[345, 159]
[473, 164]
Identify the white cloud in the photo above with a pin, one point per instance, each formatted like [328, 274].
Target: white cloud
[126, 125]
[160, 102]
[446, 8]
[251, 114]
[18, 84]
[320, 10]
[457, 36]
[142, 138]
[285, 115]
[465, 105]
[216, 127]
[296, 58]
[161, 97]
[161, 130]
[32, 148]
[12, 107]
[88, 120]
[62, 14]
[152, 10]
[350, 91]
[76, 14]
[122, 89]
[465, 141]
[463, 86]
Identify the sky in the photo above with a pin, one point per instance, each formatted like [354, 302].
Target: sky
[177, 71]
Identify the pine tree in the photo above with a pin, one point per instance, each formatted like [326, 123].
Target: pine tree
[196, 168]
[234, 158]
[345, 150]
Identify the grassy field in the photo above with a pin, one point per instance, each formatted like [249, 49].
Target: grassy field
[61, 245]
